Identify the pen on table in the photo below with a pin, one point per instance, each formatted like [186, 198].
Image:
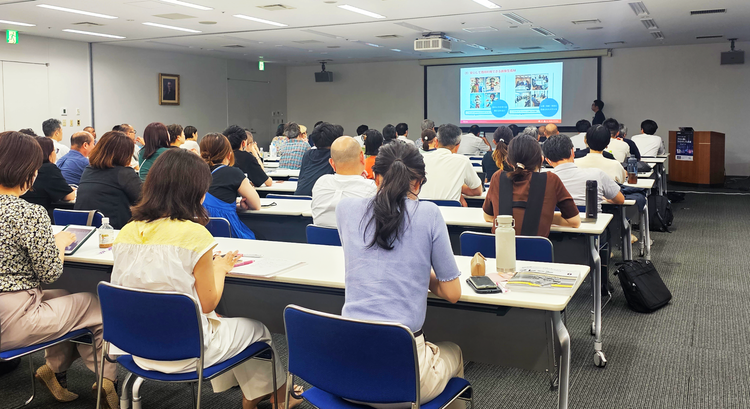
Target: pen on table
[104, 251]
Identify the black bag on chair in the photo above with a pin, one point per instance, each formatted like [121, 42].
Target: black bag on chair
[643, 287]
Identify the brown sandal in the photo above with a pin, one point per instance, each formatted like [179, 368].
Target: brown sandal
[45, 374]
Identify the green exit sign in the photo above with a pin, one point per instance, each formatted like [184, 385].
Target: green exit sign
[11, 36]
[261, 66]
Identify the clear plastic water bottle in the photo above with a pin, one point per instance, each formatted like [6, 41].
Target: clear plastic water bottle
[505, 244]
[273, 150]
[632, 170]
[106, 234]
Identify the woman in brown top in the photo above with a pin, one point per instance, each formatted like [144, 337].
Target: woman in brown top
[30, 255]
[525, 154]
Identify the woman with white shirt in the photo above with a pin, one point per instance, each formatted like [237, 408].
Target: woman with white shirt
[166, 247]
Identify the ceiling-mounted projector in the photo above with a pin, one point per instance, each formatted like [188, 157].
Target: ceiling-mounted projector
[433, 43]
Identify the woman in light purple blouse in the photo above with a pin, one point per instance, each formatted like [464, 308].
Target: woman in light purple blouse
[386, 279]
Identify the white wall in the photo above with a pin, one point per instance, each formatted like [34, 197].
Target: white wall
[374, 94]
[682, 86]
[68, 78]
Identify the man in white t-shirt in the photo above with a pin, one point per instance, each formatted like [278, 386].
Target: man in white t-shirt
[559, 153]
[53, 130]
[348, 161]
[473, 144]
[597, 140]
[648, 143]
[617, 147]
[449, 176]
[579, 140]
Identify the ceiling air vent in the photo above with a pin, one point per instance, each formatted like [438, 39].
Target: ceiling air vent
[411, 26]
[234, 46]
[389, 36]
[531, 48]
[709, 11]
[594, 28]
[174, 16]
[563, 41]
[639, 8]
[480, 29]
[516, 18]
[308, 42]
[615, 43]
[87, 24]
[707, 37]
[456, 52]
[543, 31]
[658, 35]
[649, 23]
[589, 21]
[276, 7]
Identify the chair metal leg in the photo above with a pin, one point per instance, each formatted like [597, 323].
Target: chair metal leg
[99, 386]
[33, 384]
[192, 391]
[289, 389]
[275, 387]
[137, 393]
[200, 388]
[124, 398]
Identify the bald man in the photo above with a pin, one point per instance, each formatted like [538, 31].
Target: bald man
[551, 130]
[348, 161]
[75, 161]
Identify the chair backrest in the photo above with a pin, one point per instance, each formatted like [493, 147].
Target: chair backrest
[527, 248]
[352, 359]
[293, 179]
[446, 203]
[292, 197]
[78, 217]
[164, 326]
[219, 227]
[322, 235]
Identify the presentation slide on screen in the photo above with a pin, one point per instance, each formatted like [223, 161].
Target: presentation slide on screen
[528, 93]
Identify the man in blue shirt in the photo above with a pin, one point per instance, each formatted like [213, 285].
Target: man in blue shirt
[74, 162]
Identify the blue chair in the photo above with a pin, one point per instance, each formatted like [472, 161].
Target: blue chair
[476, 157]
[476, 165]
[528, 248]
[358, 360]
[78, 217]
[322, 235]
[83, 336]
[293, 179]
[292, 197]
[219, 227]
[446, 203]
[163, 326]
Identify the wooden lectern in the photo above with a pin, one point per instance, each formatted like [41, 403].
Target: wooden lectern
[707, 165]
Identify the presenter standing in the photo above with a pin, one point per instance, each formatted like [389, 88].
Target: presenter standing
[597, 107]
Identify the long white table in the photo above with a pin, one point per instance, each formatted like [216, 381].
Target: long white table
[277, 173]
[278, 187]
[526, 324]
[658, 164]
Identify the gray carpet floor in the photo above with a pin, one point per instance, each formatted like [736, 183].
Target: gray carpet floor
[694, 353]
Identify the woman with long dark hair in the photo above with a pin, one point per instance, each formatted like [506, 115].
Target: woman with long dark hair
[527, 185]
[227, 182]
[395, 249]
[166, 247]
[156, 138]
[50, 185]
[496, 160]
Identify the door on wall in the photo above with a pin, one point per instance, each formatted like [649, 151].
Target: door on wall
[249, 108]
[25, 90]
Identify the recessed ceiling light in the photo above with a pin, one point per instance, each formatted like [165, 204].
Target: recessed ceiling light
[396, 50]
[86, 13]
[15, 23]
[187, 30]
[89, 33]
[487, 3]
[206, 22]
[186, 4]
[260, 20]
[360, 11]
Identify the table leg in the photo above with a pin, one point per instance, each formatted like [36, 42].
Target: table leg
[564, 377]
[596, 268]
[646, 233]
[627, 246]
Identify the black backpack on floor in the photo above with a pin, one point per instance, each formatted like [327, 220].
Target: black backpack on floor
[659, 213]
[643, 287]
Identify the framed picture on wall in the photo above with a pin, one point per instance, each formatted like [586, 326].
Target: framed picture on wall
[169, 89]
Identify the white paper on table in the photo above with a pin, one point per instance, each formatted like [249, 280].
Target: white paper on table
[265, 267]
[549, 271]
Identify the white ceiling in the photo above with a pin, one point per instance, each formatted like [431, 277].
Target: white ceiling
[318, 29]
